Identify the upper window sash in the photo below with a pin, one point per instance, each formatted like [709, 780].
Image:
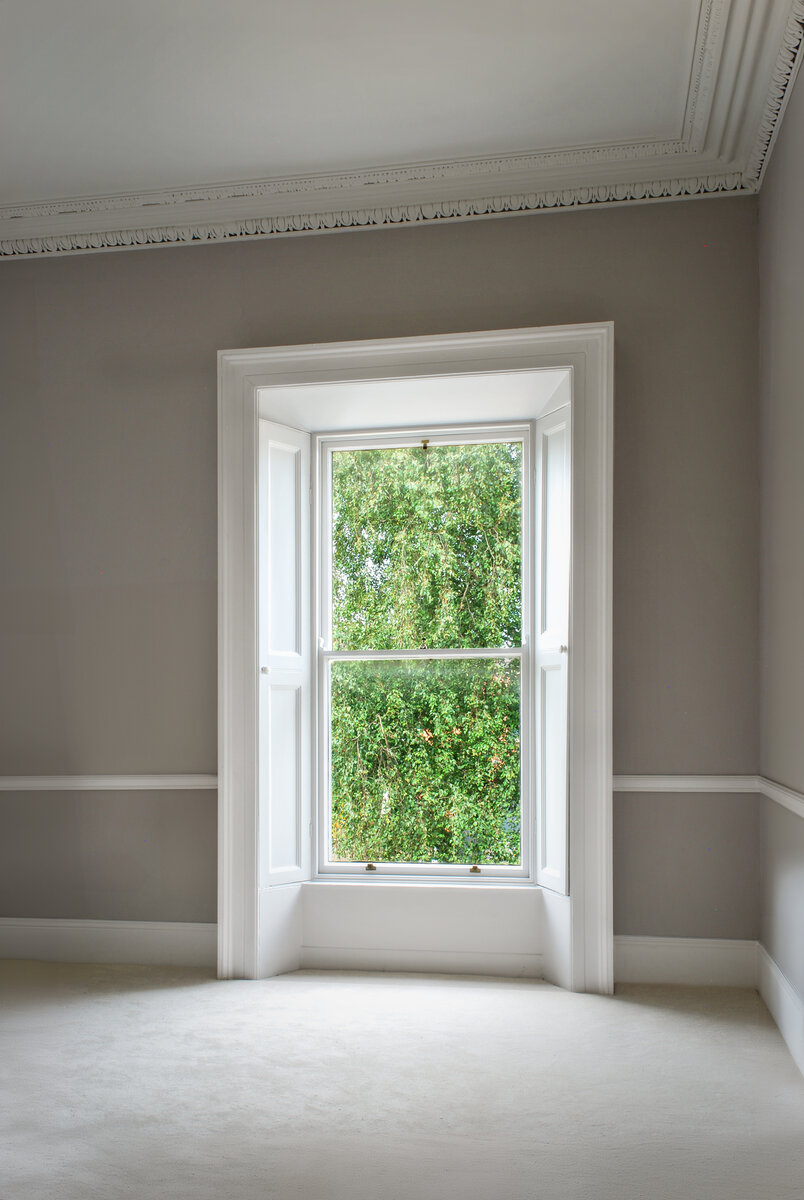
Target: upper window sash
[327, 445]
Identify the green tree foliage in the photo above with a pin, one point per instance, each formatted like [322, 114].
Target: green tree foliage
[425, 759]
[427, 547]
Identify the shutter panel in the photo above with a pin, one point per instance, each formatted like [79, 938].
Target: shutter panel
[553, 530]
[284, 655]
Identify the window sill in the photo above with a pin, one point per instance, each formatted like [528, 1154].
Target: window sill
[371, 880]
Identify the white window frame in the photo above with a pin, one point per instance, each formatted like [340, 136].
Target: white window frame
[323, 447]
[578, 929]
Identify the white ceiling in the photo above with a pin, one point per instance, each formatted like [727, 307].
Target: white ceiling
[99, 96]
[176, 119]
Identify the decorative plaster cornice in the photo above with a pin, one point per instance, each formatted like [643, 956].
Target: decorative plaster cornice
[460, 189]
[499, 167]
[706, 59]
[388, 215]
[784, 74]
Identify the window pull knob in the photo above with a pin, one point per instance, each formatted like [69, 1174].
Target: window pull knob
[475, 870]
[370, 867]
[562, 649]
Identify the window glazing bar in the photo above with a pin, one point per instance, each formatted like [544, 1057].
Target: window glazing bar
[363, 655]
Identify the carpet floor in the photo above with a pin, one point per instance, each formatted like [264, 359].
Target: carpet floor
[141, 1082]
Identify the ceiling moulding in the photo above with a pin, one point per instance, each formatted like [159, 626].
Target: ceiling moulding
[744, 63]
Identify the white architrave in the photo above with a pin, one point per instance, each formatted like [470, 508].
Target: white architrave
[583, 951]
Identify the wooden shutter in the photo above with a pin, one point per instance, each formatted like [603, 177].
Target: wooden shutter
[284, 655]
[552, 649]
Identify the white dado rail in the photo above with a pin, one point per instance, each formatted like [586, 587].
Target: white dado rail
[735, 784]
[107, 783]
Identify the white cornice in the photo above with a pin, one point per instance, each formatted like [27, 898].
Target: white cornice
[742, 69]
[785, 69]
[181, 230]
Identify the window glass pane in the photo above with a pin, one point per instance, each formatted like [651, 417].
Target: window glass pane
[426, 761]
[426, 547]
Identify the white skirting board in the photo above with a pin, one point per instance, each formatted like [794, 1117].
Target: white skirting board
[438, 962]
[785, 1005]
[696, 961]
[719, 962]
[157, 943]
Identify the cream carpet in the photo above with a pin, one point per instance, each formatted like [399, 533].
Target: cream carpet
[145, 1082]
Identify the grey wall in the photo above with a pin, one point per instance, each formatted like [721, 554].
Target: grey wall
[686, 866]
[107, 469]
[124, 856]
[782, 575]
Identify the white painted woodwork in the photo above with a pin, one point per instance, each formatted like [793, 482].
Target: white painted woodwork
[436, 962]
[282, 743]
[552, 590]
[707, 962]
[281, 925]
[697, 962]
[462, 398]
[107, 783]
[398, 402]
[285, 749]
[790, 799]
[688, 783]
[558, 921]
[383, 122]
[385, 924]
[317, 927]
[784, 1003]
[582, 923]
[787, 797]
[238, 576]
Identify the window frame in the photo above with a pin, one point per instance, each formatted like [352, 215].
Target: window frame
[323, 446]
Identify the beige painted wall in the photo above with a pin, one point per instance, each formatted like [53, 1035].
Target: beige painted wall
[107, 467]
[782, 575]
